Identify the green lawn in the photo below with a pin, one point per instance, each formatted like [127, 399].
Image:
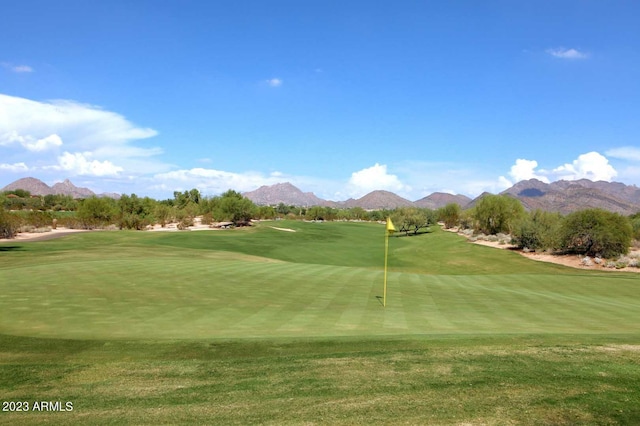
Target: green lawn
[265, 326]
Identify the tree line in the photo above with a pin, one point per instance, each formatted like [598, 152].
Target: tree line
[592, 232]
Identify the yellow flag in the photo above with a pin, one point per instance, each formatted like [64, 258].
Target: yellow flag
[390, 227]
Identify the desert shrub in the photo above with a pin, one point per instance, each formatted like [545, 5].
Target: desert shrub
[538, 230]
[234, 207]
[466, 220]
[596, 232]
[185, 223]
[207, 219]
[163, 214]
[630, 261]
[96, 212]
[635, 224]
[135, 212]
[450, 215]
[71, 222]
[268, 212]
[497, 213]
[9, 224]
[621, 265]
[39, 219]
[133, 221]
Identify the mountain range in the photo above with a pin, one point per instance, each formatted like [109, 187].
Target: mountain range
[38, 187]
[561, 196]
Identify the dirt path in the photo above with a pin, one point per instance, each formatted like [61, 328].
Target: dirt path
[41, 236]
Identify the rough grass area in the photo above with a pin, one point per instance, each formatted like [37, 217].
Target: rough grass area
[447, 380]
[262, 326]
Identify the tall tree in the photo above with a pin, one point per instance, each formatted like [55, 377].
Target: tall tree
[450, 215]
[232, 206]
[497, 213]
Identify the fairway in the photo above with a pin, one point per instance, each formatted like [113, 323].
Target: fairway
[263, 326]
[323, 280]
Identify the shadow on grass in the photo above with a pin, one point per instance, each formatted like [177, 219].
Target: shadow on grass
[411, 233]
[11, 248]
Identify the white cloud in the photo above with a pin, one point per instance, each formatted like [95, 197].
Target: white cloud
[274, 82]
[16, 167]
[625, 153]
[17, 68]
[211, 181]
[374, 178]
[525, 170]
[592, 165]
[563, 53]
[505, 183]
[22, 68]
[44, 144]
[81, 164]
[97, 142]
[29, 142]
[81, 126]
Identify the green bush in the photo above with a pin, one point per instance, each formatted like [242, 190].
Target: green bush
[497, 213]
[96, 212]
[450, 215]
[9, 224]
[39, 219]
[594, 232]
[232, 206]
[538, 230]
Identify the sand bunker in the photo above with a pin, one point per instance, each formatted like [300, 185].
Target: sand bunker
[283, 229]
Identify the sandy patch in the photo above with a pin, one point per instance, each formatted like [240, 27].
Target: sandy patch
[42, 236]
[617, 348]
[283, 229]
[570, 260]
[173, 227]
[197, 226]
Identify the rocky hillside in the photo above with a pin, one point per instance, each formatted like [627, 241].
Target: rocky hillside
[33, 185]
[569, 196]
[68, 188]
[38, 187]
[379, 200]
[561, 196]
[284, 193]
[441, 199]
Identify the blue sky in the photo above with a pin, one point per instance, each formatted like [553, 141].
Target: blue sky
[339, 98]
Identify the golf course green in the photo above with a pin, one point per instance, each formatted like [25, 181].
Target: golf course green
[266, 325]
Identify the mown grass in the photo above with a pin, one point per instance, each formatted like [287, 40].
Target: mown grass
[444, 380]
[265, 326]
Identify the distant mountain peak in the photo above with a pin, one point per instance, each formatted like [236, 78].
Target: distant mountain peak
[568, 196]
[440, 199]
[66, 187]
[283, 192]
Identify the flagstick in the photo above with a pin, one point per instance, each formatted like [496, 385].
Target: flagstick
[386, 252]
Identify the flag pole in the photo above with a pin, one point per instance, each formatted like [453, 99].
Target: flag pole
[388, 230]
[386, 253]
